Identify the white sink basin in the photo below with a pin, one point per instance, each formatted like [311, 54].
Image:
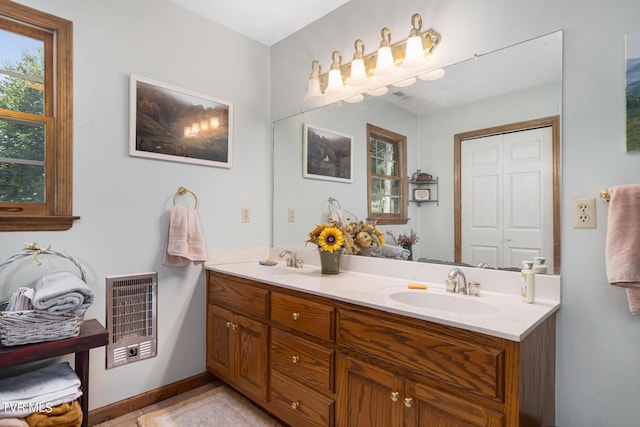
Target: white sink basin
[452, 303]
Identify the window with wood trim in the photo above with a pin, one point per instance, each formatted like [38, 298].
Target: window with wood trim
[36, 120]
[386, 176]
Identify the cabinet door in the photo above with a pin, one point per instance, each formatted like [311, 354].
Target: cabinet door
[219, 342]
[251, 352]
[428, 407]
[368, 396]
[237, 350]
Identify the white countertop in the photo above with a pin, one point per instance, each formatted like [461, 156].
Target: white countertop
[500, 314]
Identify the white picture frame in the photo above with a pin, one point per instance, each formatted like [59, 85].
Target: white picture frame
[327, 154]
[167, 122]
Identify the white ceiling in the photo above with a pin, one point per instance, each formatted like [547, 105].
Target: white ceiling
[267, 21]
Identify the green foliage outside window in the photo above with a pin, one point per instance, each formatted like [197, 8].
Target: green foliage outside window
[22, 142]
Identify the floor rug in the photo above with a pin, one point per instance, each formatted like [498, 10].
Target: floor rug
[220, 406]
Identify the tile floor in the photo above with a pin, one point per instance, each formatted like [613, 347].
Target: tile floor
[131, 419]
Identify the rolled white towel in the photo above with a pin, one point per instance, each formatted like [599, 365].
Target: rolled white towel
[22, 299]
[62, 292]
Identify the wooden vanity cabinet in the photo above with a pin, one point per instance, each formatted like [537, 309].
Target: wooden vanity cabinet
[371, 396]
[314, 361]
[302, 359]
[237, 344]
[427, 374]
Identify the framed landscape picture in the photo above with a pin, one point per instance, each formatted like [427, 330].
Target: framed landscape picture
[633, 91]
[327, 154]
[170, 123]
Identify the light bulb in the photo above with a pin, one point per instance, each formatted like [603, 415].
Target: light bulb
[385, 63]
[335, 83]
[313, 86]
[358, 71]
[414, 49]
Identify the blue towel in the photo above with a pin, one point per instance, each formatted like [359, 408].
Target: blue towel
[62, 292]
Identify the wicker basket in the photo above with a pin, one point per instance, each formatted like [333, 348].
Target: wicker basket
[26, 327]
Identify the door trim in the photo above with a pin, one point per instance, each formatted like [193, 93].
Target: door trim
[554, 123]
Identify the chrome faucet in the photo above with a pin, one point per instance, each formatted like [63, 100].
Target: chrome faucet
[455, 275]
[293, 260]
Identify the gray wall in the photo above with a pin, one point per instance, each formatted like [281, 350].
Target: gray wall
[598, 378]
[124, 202]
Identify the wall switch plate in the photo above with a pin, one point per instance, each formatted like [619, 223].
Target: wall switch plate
[291, 215]
[583, 212]
[245, 215]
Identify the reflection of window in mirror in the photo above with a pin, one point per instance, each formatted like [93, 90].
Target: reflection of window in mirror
[386, 176]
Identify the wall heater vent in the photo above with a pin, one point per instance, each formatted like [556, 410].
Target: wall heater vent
[131, 318]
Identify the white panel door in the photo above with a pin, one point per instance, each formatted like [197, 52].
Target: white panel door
[507, 196]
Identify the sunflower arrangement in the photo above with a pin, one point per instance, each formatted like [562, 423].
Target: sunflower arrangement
[328, 237]
[363, 237]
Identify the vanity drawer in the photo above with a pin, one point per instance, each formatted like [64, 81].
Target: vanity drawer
[302, 360]
[461, 363]
[303, 315]
[237, 294]
[298, 405]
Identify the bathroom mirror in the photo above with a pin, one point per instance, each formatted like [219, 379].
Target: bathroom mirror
[515, 84]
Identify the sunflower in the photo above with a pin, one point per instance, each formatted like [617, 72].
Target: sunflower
[331, 239]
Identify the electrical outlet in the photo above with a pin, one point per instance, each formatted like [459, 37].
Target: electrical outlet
[245, 215]
[584, 213]
[291, 215]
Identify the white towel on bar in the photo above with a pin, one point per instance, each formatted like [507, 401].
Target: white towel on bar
[62, 292]
[33, 391]
[185, 242]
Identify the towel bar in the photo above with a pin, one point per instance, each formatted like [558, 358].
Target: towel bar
[182, 191]
[605, 196]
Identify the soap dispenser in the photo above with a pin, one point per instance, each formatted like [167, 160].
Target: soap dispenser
[528, 282]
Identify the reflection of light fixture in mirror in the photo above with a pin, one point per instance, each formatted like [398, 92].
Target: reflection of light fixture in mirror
[378, 91]
[214, 122]
[405, 82]
[358, 71]
[313, 87]
[415, 51]
[385, 64]
[335, 74]
[355, 99]
[432, 75]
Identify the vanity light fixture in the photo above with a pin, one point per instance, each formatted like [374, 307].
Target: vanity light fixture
[313, 87]
[358, 70]
[335, 74]
[414, 53]
[385, 63]
[398, 64]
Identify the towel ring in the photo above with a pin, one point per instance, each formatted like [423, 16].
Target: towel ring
[181, 192]
[605, 196]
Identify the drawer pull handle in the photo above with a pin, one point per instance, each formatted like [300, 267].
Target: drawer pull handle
[295, 359]
[408, 402]
[295, 316]
[229, 324]
[394, 396]
[232, 325]
[295, 405]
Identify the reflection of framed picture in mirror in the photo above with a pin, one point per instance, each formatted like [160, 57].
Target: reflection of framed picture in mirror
[171, 123]
[327, 154]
